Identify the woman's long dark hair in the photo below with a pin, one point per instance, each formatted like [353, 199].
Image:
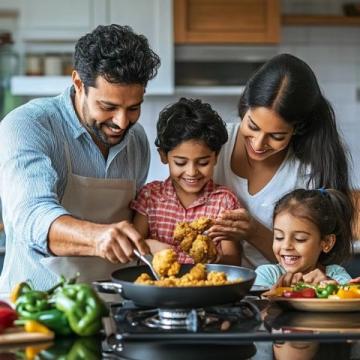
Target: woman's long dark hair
[288, 86]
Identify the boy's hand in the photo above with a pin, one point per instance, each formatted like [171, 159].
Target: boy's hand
[156, 245]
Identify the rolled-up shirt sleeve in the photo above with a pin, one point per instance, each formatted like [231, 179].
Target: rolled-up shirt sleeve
[31, 201]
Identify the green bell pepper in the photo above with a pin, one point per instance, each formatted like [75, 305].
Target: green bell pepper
[55, 320]
[83, 308]
[323, 292]
[32, 302]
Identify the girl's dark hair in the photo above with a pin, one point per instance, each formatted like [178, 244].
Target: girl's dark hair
[288, 86]
[117, 54]
[190, 119]
[331, 212]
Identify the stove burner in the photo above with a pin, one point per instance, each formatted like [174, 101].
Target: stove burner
[136, 323]
[183, 319]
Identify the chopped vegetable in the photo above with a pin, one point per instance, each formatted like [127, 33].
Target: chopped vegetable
[323, 292]
[303, 293]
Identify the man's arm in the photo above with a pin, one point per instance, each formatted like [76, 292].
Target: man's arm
[69, 236]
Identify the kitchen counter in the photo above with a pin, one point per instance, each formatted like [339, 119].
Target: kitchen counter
[281, 335]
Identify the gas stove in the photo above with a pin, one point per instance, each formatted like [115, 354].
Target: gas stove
[239, 329]
[133, 323]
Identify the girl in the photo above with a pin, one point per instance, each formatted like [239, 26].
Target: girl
[312, 233]
[189, 137]
[287, 139]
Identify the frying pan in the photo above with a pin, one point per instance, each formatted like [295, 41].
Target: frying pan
[180, 297]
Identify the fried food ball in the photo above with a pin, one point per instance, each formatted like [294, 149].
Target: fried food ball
[144, 279]
[217, 277]
[203, 249]
[187, 242]
[165, 264]
[192, 240]
[182, 229]
[201, 224]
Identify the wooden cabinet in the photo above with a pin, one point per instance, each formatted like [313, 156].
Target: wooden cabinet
[226, 21]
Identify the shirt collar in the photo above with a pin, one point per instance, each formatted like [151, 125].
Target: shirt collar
[76, 127]
[170, 193]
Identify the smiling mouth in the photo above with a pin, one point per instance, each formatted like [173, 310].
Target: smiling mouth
[191, 181]
[290, 259]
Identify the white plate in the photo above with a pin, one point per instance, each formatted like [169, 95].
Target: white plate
[322, 305]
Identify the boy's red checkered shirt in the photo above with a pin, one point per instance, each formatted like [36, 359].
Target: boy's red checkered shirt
[159, 203]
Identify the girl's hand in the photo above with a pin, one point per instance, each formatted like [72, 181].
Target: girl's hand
[232, 225]
[355, 280]
[156, 245]
[315, 277]
[288, 279]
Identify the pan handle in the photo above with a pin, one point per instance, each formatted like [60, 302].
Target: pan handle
[107, 287]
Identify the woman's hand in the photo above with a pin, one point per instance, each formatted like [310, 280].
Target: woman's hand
[232, 225]
[156, 245]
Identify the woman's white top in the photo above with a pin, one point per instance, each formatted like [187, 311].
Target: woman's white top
[289, 176]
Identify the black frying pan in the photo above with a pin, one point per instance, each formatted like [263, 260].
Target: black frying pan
[183, 297]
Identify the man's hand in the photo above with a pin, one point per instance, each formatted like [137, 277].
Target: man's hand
[116, 242]
[69, 236]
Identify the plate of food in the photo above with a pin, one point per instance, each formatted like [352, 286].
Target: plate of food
[321, 298]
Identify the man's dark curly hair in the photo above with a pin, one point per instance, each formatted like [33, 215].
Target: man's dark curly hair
[190, 119]
[117, 54]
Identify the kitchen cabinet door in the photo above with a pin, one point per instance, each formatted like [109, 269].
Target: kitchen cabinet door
[154, 19]
[226, 21]
[55, 20]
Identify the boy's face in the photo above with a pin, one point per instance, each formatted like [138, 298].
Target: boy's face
[297, 244]
[191, 166]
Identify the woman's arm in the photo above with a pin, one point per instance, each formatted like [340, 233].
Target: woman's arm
[238, 225]
[231, 253]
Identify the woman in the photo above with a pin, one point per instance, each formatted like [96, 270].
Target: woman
[287, 139]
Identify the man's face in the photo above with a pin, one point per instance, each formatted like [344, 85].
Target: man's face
[108, 110]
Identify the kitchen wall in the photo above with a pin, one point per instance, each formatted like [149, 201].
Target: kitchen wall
[334, 55]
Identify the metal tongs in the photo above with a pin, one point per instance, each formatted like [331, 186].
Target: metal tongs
[148, 263]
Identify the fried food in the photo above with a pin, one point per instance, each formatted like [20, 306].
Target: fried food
[192, 240]
[203, 249]
[165, 264]
[197, 276]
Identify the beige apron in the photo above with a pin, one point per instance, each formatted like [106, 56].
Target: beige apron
[102, 201]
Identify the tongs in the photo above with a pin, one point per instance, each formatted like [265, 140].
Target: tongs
[148, 263]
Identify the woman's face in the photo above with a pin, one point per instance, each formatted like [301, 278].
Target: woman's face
[265, 133]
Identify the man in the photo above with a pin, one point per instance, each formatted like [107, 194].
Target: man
[71, 164]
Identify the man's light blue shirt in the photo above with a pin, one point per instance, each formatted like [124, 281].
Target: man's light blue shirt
[33, 176]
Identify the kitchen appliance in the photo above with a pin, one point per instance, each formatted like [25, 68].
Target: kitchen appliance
[136, 332]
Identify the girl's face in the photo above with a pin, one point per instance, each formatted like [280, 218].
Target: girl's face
[265, 133]
[191, 166]
[297, 243]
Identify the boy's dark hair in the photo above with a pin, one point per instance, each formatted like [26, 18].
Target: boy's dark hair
[190, 119]
[117, 54]
[330, 210]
